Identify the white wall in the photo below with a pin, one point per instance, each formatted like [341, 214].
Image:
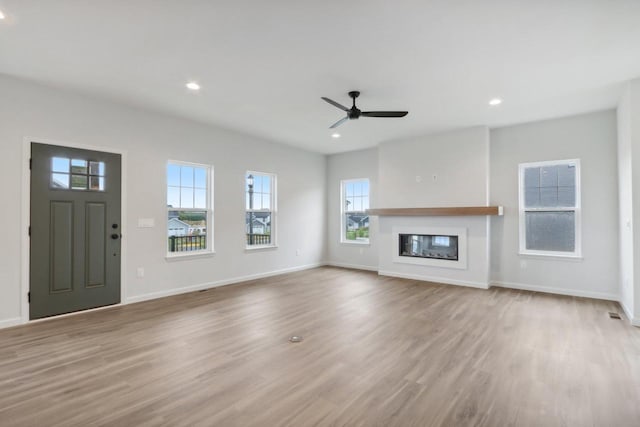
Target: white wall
[625, 197]
[150, 139]
[355, 164]
[459, 160]
[592, 139]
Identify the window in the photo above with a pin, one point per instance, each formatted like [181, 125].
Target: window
[550, 208]
[77, 174]
[355, 201]
[260, 206]
[189, 208]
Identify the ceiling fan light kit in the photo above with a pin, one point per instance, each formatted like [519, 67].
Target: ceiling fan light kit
[354, 113]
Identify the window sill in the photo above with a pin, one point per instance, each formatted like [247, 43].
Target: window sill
[188, 256]
[559, 257]
[260, 247]
[355, 243]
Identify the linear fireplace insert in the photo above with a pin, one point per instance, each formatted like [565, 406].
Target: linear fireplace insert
[428, 246]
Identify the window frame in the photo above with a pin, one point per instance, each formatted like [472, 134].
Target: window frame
[273, 210]
[577, 209]
[343, 212]
[210, 250]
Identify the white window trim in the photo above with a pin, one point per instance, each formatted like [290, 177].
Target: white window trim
[273, 210]
[343, 228]
[174, 256]
[577, 253]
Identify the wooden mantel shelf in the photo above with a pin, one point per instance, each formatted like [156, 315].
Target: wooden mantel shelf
[449, 211]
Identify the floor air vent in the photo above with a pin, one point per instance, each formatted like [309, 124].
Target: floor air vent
[614, 315]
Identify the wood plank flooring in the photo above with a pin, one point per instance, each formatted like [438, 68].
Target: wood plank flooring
[377, 351]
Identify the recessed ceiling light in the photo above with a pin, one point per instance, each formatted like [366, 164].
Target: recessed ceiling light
[193, 86]
[495, 101]
[335, 135]
[1, 15]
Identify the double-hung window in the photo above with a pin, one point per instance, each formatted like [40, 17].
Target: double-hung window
[354, 218]
[189, 208]
[550, 208]
[260, 209]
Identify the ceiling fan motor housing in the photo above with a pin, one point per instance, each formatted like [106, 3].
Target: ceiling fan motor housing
[354, 113]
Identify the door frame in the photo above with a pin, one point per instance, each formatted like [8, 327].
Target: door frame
[26, 220]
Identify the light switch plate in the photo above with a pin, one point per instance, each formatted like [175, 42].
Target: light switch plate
[146, 222]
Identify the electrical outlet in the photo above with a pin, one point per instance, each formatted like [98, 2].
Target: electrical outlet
[418, 178]
[361, 251]
[297, 252]
[140, 272]
[523, 263]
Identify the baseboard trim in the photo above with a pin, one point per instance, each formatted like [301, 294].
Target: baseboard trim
[557, 291]
[443, 280]
[7, 323]
[218, 283]
[352, 266]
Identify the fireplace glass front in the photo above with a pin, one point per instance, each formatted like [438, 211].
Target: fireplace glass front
[429, 246]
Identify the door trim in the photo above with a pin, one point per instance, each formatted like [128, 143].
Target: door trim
[26, 217]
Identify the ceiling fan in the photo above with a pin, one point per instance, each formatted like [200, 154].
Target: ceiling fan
[354, 113]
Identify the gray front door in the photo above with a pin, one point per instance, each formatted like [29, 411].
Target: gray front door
[75, 230]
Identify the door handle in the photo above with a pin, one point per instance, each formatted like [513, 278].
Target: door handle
[115, 236]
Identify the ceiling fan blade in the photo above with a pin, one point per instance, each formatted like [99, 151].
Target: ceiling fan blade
[335, 104]
[338, 123]
[384, 113]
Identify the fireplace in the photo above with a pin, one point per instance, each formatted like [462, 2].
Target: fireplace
[428, 246]
[444, 247]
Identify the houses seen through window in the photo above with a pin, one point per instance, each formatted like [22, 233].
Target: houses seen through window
[188, 208]
[260, 209]
[355, 202]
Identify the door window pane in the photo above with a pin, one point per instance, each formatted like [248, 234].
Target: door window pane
[96, 168]
[77, 174]
[96, 183]
[60, 164]
[79, 166]
[60, 180]
[79, 182]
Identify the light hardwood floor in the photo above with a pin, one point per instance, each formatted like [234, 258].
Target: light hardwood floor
[376, 352]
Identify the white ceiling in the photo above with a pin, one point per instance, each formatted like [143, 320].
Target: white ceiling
[263, 65]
